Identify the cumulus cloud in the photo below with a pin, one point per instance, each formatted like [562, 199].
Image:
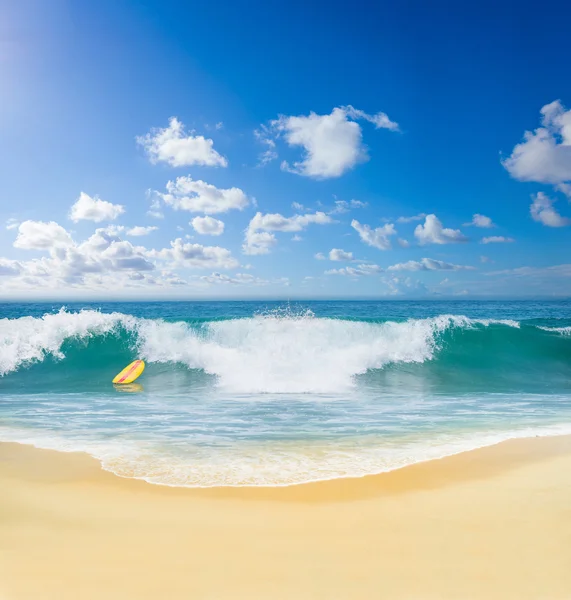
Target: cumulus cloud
[544, 155]
[480, 221]
[497, 239]
[542, 211]
[40, 235]
[124, 256]
[175, 147]
[364, 269]
[432, 232]
[101, 255]
[207, 225]
[428, 264]
[320, 256]
[259, 240]
[87, 208]
[199, 196]
[277, 222]
[9, 268]
[196, 256]
[332, 143]
[403, 243]
[404, 286]
[139, 230]
[378, 238]
[340, 255]
[296, 238]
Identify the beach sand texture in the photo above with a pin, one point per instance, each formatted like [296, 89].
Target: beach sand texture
[491, 523]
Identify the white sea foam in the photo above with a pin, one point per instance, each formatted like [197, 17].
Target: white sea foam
[275, 353]
[271, 465]
[296, 354]
[560, 330]
[30, 339]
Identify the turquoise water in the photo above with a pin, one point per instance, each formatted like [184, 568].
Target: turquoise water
[261, 393]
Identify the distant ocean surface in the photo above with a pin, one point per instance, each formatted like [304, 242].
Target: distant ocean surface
[273, 393]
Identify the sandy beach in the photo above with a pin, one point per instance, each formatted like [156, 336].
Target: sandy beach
[491, 523]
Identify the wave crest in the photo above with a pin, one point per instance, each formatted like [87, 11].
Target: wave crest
[30, 339]
[278, 352]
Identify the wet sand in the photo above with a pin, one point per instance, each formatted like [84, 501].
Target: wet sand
[491, 523]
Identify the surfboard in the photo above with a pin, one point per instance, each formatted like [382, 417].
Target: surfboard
[130, 372]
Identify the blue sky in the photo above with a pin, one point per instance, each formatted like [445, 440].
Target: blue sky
[299, 140]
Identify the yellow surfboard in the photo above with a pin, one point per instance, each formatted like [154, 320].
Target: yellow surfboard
[130, 372]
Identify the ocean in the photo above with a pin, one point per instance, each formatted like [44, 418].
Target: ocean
[278, 393]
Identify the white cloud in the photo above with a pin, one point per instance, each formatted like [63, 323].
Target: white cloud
[9, 268]
[265, 136]
[124, 256]
[296, 238]
[378, 238]
[173, 146]
[542, 211]
[155, 210]
[356, 271]
[480, 221]
[563, 270]
[258, 240]
[277, 222]
[196, 256]
[320, 256]
[238, 279]
[12, 223]
[339, 255]
[497, 239]
[342, 206]
[564, 188]
[40, 235]
[432, 232]
[332, 143]
[297, 206]
[379, 120]
[403, 243]
[428, 264]
[399, 286]
[199, 196]
[207, 226]
[138, 230]
[486, 259]
[544, 155]
[418, 217]
[96, 259]
[93, 209]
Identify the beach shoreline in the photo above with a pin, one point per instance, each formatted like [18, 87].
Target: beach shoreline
[487, 523]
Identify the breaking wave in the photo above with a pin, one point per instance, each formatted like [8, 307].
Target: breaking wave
[273, 353]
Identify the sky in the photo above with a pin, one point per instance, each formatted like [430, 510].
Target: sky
[181, 150]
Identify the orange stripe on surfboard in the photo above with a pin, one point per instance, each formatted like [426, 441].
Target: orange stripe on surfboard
[137, 364]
